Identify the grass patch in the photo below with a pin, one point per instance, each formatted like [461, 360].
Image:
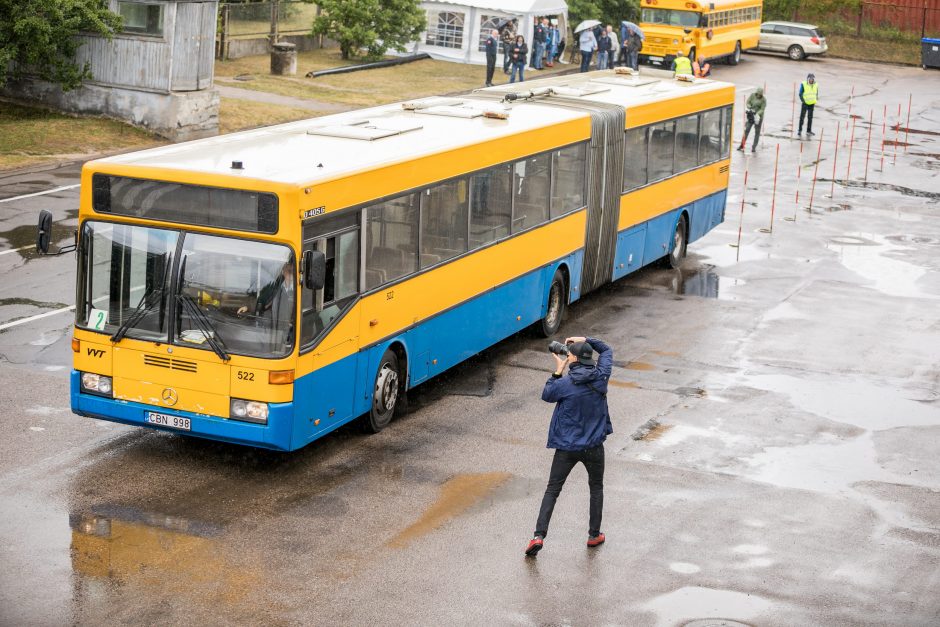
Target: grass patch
[238, 115]
[29, 136]
[365, 88]
[851, 47]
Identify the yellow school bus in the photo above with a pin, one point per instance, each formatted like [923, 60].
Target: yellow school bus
[702, 30]
[267, 287]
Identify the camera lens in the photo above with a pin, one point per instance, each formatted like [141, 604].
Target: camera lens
[558, 348]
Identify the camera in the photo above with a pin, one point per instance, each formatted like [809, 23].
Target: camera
[558, 348]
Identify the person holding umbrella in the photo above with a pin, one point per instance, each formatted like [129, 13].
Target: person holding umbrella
[507, 34]
[632, 43]
[587, 42]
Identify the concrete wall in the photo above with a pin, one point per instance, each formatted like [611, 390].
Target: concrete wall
[238, 48]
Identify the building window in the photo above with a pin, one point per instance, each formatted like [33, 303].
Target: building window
[488, 23]
[445, 29]
[142, 19]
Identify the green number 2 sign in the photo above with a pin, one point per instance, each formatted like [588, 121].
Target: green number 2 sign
[97, 319]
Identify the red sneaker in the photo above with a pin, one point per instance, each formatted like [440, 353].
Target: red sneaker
[535, 545]
[596, 540]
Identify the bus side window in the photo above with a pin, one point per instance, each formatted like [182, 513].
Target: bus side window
[709, 145]
[490, 205]
[444, 221]
[725, 132]
[635, 158]
[341, 283]
[391, 239]
[568, 179]
[532, 187]
[686, 143]
[661, 150]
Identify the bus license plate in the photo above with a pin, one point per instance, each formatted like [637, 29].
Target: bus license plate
[174, 422]
[656, 59]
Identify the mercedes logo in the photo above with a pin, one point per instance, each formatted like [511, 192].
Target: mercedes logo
[169, 396]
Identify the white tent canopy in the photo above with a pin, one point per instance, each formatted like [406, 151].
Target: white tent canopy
[457, 30]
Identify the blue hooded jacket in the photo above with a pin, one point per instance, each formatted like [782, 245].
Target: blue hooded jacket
[581, 419]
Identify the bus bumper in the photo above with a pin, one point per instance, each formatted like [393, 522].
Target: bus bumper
[275, 435]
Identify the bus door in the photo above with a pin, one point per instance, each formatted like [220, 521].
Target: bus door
[327, 394]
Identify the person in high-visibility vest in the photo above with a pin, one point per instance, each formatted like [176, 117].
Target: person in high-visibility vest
[809, 94]
[681, 64]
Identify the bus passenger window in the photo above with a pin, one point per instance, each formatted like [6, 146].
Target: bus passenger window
[725, 132]
[635, 155]
[686, 143]
[662, 149]
[391, 240]
[531, 185]
[568, 171]
[490, 205]
[709, 144]
[444, 221]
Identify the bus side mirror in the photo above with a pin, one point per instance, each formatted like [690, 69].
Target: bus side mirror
[314, 269]
[44, 232]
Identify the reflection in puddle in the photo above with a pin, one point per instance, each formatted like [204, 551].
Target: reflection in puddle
[875, 258]
[704, 282]
[457, 495]
[694, 602]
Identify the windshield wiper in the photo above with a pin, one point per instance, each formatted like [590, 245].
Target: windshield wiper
[205, 325]
[150, 299]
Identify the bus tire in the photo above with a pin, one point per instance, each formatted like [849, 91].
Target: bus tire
[679, 242]
[735, 57]
[555, 304]
[385, 393]
[692, 53]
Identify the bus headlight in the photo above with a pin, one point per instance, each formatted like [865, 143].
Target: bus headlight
[96, 384]
[249, 411]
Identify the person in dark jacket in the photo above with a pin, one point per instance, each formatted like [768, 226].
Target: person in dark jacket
[517, 53]
[579, 426]
[492, 44]
[507, 34]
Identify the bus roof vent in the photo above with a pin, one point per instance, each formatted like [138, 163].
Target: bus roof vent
[433, 101]
[580, 89]
[627, 80]
[368, 130]
[468, 110]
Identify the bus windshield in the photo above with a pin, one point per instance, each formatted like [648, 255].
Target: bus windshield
[243, 291]
[672, 17]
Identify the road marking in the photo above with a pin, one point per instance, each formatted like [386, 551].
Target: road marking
[13, 250]
[36, 317]
[48, 191]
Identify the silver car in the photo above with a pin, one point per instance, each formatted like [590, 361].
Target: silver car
[798, 41]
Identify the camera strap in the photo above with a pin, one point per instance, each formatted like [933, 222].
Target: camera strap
[594, 389]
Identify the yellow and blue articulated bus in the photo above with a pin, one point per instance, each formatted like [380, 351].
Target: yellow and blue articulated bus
[267, 287]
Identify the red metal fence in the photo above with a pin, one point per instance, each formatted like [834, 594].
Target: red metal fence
[921, 17]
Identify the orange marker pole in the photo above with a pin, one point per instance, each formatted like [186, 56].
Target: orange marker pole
[871, 115]
[851, 98]
[835, 159]
[812, 190]
[799, 169]
[907, 130]
[737, 256]
[773, 197]
[848, 168]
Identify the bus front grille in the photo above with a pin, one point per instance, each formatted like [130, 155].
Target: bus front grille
[170, 363]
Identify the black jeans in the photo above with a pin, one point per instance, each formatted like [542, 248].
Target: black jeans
[563, 462]
[490, 66]
[747, 130]
[804, 109]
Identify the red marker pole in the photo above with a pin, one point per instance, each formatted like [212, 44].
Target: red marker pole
[835, 159]
[907, 130]
[848, 168]
[737, 256]
[799, 169]
[897, 136]
[871, 115]
[851, 98]
[884, 123]
[773, 197]
[812, 190]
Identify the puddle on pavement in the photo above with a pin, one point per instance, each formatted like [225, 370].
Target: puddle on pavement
[874, 258]
[857, 403]
[639, 365]
[4, 302]
[905, 191]
[456, 496]
[25, 235]
[181, 557]
[656, 432]
[623, 384]
[900, 129]
[702, 281]
[695, 603]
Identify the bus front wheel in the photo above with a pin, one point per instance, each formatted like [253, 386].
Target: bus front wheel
[679, 241]
[555, 306]
[385, 394]
[735, 57]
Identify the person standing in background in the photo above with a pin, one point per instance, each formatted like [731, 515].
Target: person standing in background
[603, 50]
[809, 94]
[492, 44]
[539, 40]
[587, 43]
[614, 47]
[518, 54]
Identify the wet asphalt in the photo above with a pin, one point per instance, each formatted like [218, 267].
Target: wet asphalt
[775, 460]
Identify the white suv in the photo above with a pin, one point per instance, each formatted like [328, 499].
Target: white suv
[798, 41]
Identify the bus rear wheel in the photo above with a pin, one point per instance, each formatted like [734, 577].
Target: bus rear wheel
[555, 306]
[385, 393]
[735, 57]
[679, 242]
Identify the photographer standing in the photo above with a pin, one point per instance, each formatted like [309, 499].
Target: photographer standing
[756, 105]
[580, 424]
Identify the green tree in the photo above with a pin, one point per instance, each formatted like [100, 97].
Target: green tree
[373, 25]
[38, 37]
[607, 11]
